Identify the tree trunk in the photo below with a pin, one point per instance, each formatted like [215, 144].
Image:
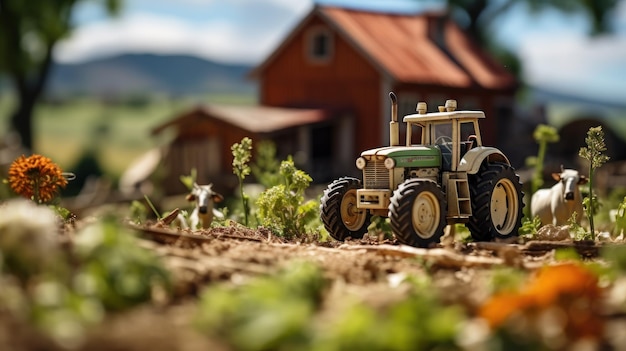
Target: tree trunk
[28, 93]
[22, 119]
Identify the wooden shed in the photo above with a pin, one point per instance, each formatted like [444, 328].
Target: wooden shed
[204, 135]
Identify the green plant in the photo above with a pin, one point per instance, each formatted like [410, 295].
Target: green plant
[530, 227]
[268, 313]
[620, 218]
[594, 154]
[380, 227]
[266, 168]
[138, 212]
[241, 157]
[419, 321]
[543, 135]
[282, 207]
[579, 232]
[188, 180]
[28, 239]
[62, 292]
[114, 268]
[152, 207]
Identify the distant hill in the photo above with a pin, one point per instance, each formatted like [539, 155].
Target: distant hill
[138, 74]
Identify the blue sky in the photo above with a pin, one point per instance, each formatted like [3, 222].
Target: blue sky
[555, 49]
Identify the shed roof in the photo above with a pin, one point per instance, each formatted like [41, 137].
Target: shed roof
[427, 48]
[255, 119]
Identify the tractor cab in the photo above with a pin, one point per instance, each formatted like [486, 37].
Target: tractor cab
[453, 132]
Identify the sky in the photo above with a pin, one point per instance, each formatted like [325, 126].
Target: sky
[556, 52]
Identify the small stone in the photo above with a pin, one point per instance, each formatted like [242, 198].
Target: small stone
[551, 232]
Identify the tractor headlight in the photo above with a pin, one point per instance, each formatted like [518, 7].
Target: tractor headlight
[390, 163]
[360, 163]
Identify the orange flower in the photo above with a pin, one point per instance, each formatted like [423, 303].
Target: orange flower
[569, 288]
[36, 177]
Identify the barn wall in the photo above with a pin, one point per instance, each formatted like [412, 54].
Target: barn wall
[495, 105]
[204, 143]
[347, 82]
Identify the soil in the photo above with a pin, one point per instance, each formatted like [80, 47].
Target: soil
[367, 268]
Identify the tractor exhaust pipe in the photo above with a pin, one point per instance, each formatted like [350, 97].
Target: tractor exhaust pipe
[394, 131]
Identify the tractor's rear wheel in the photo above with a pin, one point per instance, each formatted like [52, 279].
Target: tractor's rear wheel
[497, 202]
[417, 213]
[339, 212]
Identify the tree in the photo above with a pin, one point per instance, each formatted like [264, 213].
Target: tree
[479, 15]
[29, 32]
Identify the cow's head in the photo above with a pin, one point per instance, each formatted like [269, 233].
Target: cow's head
[204, 196]
[570, 179]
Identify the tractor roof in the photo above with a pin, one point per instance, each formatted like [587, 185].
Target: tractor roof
[443, 116]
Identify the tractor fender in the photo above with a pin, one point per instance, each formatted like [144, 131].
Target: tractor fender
[472, 160]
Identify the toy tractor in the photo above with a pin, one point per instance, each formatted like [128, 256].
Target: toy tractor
[445, 177]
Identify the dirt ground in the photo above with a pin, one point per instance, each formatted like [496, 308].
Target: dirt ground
[369, 268]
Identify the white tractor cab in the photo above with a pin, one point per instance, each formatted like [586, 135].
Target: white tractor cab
[442, 175]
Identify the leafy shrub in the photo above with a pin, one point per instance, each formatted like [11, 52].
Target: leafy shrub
[530, 227]
[61, 292]
[28, 243]
[114, 268]
[284, 312]
[418, 322]
[380, 227]
[266, 314]
[266, 168]
[282, 207]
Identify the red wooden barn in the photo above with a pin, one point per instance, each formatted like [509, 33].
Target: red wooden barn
[345, 62]
[349, 60]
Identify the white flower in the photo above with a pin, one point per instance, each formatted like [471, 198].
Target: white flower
[28, 231]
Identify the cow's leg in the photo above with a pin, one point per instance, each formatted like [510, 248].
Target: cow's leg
[194, 219]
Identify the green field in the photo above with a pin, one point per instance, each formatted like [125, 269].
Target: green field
[118, 133]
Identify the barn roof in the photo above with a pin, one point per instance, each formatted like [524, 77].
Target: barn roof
[427, 48]
[255, 119]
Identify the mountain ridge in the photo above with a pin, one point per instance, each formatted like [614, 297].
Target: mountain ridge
[146, 73]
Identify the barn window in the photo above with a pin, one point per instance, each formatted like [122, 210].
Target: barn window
[320, 44]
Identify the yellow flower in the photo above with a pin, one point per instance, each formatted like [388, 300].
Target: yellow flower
[36, 177]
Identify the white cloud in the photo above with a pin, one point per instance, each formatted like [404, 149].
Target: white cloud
[257, 28]
[578, 65]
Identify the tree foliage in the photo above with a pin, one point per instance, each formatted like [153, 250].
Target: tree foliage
[29, 32]
[481, 14]
[478, 17]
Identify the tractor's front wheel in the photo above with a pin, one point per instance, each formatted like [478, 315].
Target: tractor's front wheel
[496, 202]
[339, 212]
[417, 213]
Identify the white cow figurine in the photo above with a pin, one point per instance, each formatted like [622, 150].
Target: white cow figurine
[556, 205]
[205, 199]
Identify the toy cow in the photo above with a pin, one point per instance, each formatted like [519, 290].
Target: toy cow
[205, 199]
[556, 205]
